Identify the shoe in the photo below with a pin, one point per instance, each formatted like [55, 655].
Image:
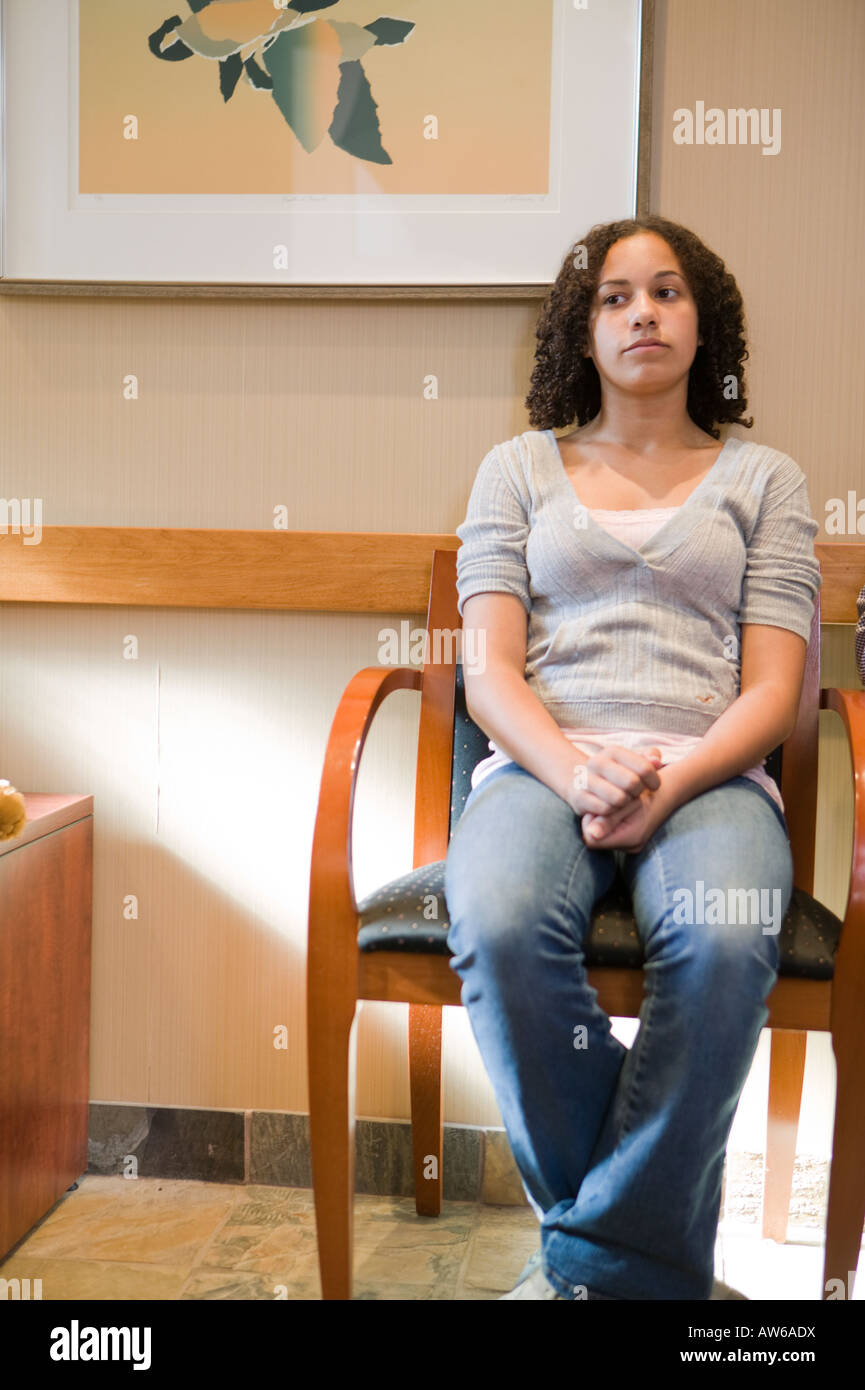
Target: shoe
[531, 1264]
[535, 1286]
[722, 1290]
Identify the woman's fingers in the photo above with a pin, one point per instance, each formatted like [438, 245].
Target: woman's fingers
[602, 824]
[618, 765]
[608, 778]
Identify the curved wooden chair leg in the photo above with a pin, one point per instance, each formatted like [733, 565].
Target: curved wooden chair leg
[332, 1072]
[845, 1216]
[786, 1071]
[425, 1082]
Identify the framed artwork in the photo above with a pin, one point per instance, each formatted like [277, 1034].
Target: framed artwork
[449, 145]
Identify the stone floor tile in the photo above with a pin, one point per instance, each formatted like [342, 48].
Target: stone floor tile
[240, 1286]
[111, 1280]
[141, 1221]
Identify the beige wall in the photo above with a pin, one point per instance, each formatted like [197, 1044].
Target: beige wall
[319, 405]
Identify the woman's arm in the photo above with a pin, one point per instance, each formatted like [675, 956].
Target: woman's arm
[761, 717]
[498, 698]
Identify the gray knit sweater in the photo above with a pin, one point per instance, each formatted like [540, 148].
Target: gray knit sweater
[644, 638]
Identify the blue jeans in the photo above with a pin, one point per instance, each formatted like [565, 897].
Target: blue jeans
[621, 1150]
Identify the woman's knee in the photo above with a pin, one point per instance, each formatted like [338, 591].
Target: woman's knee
[493, 921]
[738, 958]
[722, 876]
[508, 857]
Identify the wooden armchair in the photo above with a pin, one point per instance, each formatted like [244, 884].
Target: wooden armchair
[387, 947]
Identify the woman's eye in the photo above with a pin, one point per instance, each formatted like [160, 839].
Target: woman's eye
[670, 288]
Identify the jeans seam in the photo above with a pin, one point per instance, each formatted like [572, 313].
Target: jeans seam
[581, 844]
[645, 1024]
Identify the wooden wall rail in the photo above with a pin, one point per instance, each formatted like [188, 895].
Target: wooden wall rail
[321, 571]
[316, 571]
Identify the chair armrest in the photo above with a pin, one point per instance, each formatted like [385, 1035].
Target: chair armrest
[849, 979]
[331, 887]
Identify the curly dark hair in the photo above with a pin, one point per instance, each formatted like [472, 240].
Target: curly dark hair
[565, 385]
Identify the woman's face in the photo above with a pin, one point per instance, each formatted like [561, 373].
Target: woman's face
[653, 301]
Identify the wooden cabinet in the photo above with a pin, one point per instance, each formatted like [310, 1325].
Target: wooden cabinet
[46, 889]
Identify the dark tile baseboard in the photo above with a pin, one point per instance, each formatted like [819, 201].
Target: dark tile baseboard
[259, 1146]
[272, 1148]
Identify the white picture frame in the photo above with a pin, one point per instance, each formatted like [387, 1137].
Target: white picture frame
[53, 237]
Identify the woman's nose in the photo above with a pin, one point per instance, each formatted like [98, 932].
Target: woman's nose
[643, 308]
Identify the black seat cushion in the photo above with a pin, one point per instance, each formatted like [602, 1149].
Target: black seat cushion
[410, 914]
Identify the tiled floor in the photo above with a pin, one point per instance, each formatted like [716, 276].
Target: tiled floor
[149, 1238]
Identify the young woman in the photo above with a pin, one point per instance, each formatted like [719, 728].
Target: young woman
[642, 598]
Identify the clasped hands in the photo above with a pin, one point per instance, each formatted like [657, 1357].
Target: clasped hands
[619, 796]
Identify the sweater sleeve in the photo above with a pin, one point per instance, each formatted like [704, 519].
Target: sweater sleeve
[782, 573]
[492, 556]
